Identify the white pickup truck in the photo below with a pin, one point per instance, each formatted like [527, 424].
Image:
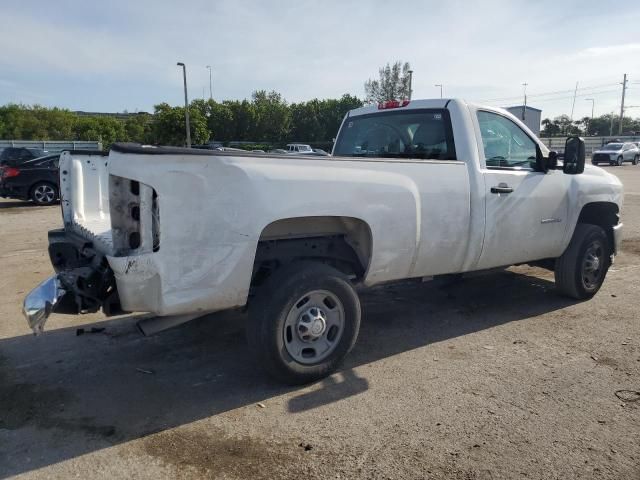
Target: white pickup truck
[413, 190]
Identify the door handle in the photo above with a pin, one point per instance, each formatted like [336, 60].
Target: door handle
[502, 188]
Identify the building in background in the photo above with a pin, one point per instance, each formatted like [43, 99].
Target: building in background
[530, 116]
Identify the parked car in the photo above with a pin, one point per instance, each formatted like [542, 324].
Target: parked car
[616, 154]
[413, 190]
[15, 155]
[299, 148]
[36, 179]
[279, 151]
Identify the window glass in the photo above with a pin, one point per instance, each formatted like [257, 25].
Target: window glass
[505, 143]
[612, 146]
[420, 134]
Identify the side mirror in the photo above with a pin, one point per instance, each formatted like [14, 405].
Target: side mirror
[574, 155]
[541, 162]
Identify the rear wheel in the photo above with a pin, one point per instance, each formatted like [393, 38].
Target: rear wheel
[635, 160]
[620, 160]
[303, 322]
[582, 268]
[44, 193]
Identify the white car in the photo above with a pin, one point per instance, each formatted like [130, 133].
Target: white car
[413, 190]
[299, 148]
[616, 154]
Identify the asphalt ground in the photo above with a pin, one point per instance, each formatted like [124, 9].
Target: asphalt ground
[493, 377]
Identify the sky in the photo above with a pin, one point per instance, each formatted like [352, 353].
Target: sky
[117, 55]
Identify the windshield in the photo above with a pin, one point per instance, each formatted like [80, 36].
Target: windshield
[422, 134]
[612, 146]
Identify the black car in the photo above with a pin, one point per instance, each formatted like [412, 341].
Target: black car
[14, 155]
[36, 179]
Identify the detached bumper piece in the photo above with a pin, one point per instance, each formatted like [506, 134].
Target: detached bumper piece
[83, 283]
[41, 301]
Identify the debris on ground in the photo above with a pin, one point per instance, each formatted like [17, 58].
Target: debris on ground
[82, 331]
[628, 395]
[143, 370]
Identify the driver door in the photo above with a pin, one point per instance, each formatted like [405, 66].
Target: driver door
[525, 210]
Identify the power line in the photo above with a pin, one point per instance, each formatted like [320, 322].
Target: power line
[565, 97]
[544, 94]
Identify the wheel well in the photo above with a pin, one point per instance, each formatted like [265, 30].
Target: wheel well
[342, 242]
[603, 214]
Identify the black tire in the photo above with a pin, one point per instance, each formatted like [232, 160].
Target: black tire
[620, 160]
[635, 160]
[594, 163]
[573, 276]
[274, 301]
[43, 193]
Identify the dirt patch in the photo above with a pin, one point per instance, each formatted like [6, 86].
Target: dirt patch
[215, 454]
[631, 245]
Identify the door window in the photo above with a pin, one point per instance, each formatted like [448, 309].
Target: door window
[505, 144]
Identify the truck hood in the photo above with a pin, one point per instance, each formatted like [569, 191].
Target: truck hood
[598, 182]
[608, 152]
[606, 177]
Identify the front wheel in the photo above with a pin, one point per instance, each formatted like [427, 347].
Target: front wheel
[303, 321]
[635, 160]
[44, 193]
[620, 160]
[582, 268]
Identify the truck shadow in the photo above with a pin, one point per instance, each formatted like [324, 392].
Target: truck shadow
[64, 395]
[7, 204]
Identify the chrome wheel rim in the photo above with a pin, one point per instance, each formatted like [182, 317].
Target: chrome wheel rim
[592, 265]
[44, 194]
[314, 326]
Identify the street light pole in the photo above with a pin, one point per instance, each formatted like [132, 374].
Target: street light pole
[524, 104]
[410, 72]
[439, 85]
[210, 84]
[593, 103]
[186, 103]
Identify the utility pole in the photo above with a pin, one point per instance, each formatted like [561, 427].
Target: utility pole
[439, 85]
[186, 103]
[210, 84]
[524, 105]
[593, 103]
[410, 72]
[573, 105]
[624, 88]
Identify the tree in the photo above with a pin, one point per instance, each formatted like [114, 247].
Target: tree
[168, 128]
[393, 84]
[272, 116]
[138, 128]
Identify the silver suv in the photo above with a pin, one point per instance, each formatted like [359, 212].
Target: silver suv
[616, 154]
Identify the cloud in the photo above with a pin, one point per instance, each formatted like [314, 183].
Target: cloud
[122, 54]
[610, 50]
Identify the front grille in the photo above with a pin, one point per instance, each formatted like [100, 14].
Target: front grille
[601, 157]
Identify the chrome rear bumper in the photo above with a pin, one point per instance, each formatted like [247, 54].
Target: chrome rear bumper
[41, 301]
